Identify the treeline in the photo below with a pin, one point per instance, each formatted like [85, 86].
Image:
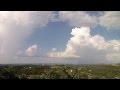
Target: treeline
[60, 72]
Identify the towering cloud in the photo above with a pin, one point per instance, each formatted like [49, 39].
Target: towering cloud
[94, 49]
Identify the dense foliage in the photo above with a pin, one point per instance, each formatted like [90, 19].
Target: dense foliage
[60, 72]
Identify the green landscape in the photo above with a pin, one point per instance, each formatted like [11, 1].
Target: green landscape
[101, 71]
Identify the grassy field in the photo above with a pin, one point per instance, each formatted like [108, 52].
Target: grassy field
[60, 72]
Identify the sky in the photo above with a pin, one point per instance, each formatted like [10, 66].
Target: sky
[66, 37]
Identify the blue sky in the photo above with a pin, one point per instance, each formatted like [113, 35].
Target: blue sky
[54, 35]
[60, 36]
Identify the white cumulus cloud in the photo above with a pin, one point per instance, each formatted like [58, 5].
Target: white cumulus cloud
[110, 20]
[94, 49]
[78, 18]
[32, 50]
